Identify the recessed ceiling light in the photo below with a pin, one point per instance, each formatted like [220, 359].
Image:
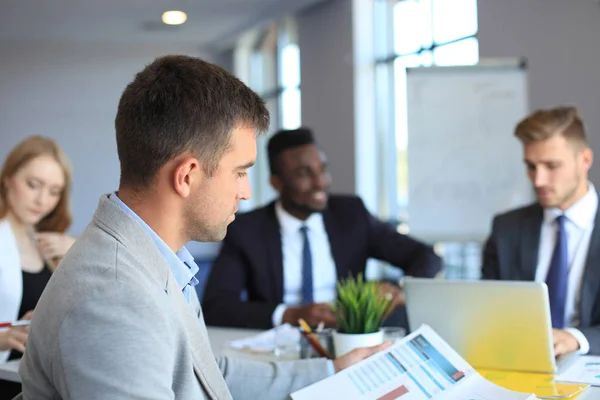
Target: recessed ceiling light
[174, 17]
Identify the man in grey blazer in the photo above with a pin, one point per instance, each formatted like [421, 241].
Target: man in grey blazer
[557, 239]
[120, 318]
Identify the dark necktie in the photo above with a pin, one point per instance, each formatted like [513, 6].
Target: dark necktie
[307, 273]
[558, 274]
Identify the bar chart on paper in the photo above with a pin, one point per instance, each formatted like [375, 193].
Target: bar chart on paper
[416, 366]
[419, 367]
[414, 369]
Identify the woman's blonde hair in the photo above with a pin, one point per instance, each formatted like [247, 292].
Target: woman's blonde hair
[59, 219]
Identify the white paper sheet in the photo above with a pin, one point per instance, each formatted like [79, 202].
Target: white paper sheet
[265, 342]
[585, 369]
[419, 367]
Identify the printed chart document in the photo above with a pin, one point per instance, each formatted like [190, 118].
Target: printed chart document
[421, 366]
[586, 369]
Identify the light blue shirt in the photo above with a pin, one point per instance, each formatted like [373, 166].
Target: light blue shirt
[182, 265]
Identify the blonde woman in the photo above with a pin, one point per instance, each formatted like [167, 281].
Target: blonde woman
[35, 184]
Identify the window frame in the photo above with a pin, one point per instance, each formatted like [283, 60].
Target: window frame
[390, 86]
[261, 61]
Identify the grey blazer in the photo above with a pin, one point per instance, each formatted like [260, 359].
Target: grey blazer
[511, 253]
[113, 324]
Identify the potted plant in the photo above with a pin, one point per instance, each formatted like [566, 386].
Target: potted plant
[360, 310]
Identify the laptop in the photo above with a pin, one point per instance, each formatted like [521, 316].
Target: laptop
[492, 324]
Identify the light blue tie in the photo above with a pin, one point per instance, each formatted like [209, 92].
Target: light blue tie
[558, 275]
[307, 272]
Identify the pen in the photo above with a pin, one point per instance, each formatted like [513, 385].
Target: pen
[320, 326]
[312, 340]
[304, 325]
[15, 323]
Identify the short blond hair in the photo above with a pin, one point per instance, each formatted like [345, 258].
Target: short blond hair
[548, 123]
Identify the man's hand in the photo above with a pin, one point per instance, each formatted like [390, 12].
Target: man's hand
[394, 294]
[564, 342]
[313, 314]
[357, 355]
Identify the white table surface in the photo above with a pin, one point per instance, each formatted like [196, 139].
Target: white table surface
[10, 371]
[219, 337]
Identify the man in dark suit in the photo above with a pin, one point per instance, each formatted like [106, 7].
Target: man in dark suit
[557, 239]
[287, 257]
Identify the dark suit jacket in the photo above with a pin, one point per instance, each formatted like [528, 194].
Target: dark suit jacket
[511, 253]
[251, 259]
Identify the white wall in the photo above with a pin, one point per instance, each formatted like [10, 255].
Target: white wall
[560, 40]
[338, 95]
[70, 93]
[327, 73]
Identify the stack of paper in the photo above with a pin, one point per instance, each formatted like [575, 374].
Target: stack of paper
[420, 366]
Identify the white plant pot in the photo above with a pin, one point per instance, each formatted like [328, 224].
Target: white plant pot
[346, 342]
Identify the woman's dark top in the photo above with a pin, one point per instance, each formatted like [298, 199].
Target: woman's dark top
[33, 286]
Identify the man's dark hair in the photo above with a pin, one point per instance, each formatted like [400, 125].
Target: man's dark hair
[178, 104]
[286, 139]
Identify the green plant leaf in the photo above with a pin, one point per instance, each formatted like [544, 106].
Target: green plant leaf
[360, 308]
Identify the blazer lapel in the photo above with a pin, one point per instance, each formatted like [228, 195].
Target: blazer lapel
[205, 365]
[529, 246]
[274, 254]
[134, 237]
[591, 276]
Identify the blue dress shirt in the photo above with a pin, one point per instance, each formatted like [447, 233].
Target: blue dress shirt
[182, 265]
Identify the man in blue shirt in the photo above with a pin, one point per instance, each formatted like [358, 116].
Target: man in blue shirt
[119, 318]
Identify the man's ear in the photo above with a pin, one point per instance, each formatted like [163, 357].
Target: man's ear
[276, 182]
[588, 158]
[186, 173]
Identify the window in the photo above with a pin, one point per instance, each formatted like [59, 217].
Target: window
[289, 80]
[465, 51]
[420, 33]
[423, 25]
[269, 59]
[426, 33]
[275, 72]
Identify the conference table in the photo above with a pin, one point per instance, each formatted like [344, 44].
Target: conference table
[220, 339]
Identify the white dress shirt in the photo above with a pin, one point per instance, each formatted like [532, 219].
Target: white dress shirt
[579, 225]
[292, 244]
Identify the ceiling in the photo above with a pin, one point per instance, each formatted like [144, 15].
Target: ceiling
[211, 24]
